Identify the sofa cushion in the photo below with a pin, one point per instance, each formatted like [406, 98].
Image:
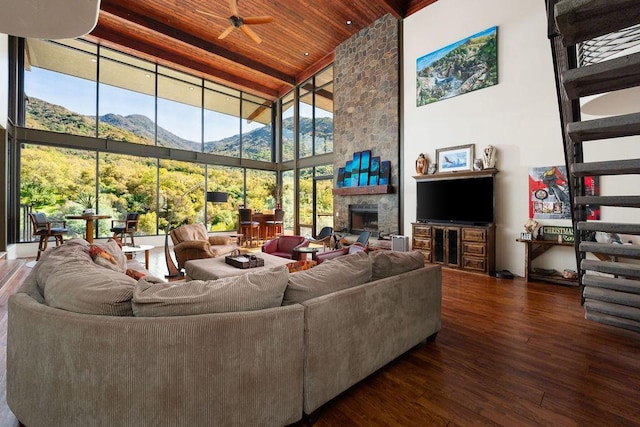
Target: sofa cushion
[251, 291]
[83, 287]
[73, 249]
[391, 263]
[330, 276]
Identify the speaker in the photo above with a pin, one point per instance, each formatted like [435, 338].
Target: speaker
[400, 243]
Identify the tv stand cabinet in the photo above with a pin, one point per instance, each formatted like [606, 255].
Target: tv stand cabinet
[465, 247]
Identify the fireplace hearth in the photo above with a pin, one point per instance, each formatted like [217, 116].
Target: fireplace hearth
[363, 217]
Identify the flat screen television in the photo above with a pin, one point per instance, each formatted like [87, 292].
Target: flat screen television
[463, 200]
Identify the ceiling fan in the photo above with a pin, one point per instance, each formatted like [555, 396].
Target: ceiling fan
[238, 21]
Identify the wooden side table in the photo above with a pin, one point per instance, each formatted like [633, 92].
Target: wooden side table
[535, 248]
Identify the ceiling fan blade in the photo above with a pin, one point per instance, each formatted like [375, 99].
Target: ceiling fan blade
[212, 15]
[251, 20]
[252, 35]
[233, 7]
[226, 32]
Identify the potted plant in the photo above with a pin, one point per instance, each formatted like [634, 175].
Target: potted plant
[87, 201]
[275, 191]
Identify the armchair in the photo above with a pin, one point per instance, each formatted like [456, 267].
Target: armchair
[191, 241]
[283, 246]
[323, 238]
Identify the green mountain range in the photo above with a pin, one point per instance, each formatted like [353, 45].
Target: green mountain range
[140, 129]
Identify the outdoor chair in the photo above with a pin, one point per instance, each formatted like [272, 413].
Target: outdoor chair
[122, 227]
[45, 229]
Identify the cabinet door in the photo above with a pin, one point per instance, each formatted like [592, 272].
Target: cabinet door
[439, 245]
[453, 247]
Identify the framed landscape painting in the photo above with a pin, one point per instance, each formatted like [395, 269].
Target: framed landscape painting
[455, 159]
[464, 66]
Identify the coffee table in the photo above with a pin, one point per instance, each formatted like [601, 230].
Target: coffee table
[217, 268]
[303, 251]
[129, 251]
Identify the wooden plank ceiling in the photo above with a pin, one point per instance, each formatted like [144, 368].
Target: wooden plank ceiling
[183, 34]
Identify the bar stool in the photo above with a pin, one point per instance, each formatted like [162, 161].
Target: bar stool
[248, 225]
[275, 228]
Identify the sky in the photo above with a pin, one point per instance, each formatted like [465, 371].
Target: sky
[78, 96]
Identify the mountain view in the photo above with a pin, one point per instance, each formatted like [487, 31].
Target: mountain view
[140, 129]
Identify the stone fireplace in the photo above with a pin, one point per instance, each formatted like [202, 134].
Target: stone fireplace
[363, 218]
[366, 117]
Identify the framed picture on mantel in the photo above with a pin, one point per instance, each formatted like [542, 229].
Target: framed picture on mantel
[455, 159]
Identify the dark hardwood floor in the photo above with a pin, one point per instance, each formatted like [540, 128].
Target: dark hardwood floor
[509, 354]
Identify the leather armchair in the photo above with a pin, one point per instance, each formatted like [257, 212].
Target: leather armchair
[283, 246]
[191, 241]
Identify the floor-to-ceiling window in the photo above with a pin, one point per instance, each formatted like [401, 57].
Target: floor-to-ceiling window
[78, 88]
[70, 85]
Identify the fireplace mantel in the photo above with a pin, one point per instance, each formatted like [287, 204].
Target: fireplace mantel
[364, 190]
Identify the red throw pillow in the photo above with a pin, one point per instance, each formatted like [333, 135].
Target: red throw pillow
[301, 265]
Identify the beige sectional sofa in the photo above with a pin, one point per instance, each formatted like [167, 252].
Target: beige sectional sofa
[262, 348]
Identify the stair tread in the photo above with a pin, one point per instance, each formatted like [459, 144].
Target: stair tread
[612, 167]
[610, 75]
[615, 249]
[579, 20]
[605, 128]
[612, 296]
[610, 267]
[615, 283]
[622, 201]
[609, 227]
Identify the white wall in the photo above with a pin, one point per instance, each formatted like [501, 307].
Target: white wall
[519, 115]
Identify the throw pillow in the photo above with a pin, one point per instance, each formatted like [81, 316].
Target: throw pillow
[330, 276]
[301, 265]
[109, 255]
[135, 274]
[391, 263]
[87, 288]
[251, 291]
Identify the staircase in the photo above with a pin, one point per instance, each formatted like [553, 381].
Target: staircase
[609, 273]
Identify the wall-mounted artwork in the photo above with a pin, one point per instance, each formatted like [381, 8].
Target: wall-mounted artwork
[549, 193]
[365, 159]
[374, 170]
[464, 66]
[355, 169]
[385, 173]
[363, 170]
[340, 181]
[455, 159]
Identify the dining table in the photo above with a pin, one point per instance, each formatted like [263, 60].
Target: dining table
[89, 220]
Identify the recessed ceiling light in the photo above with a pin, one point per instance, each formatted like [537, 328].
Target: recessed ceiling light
[348, 21]
[306, 54]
